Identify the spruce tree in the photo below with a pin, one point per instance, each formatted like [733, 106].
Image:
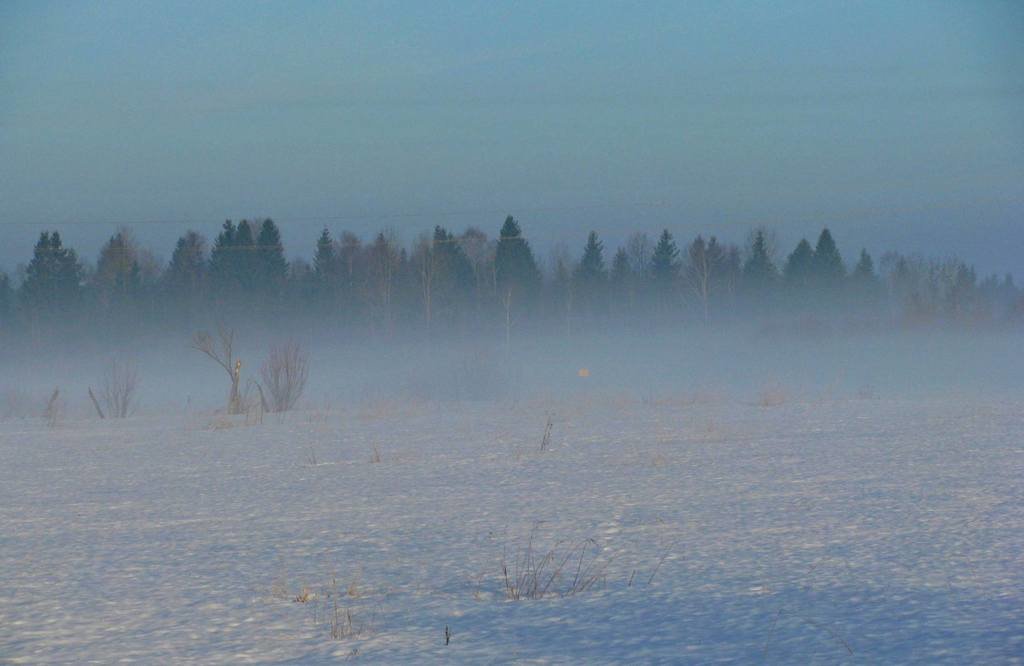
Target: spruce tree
[828, 264]
[620, 281]
[591, 269]
[186, 272]
[271, 266]
[223, 272]
[621, 270]
[799, 267]
[864, 283]
[185, 279]
[452, 274]
[590, 277]
[664, 263]
[759, 272]
[864, 271]
[53, 277]
[516, 274]
[324, 260]
[246, 262]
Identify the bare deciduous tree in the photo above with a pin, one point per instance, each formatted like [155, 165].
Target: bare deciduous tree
[221, 350]
[120, 380]
[284, 374]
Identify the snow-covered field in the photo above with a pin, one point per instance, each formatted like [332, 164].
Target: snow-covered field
[705, 527]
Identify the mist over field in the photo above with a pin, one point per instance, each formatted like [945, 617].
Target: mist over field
[731, 364]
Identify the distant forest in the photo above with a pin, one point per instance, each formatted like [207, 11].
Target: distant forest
[448, 284]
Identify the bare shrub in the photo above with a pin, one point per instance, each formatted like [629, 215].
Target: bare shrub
[221, 351]
[118, 386]
[565, 569]
[284, 374]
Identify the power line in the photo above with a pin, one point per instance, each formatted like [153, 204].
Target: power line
[377, 217]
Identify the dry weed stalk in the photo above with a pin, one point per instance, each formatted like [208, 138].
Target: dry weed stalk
[546, 439]
[52, 411]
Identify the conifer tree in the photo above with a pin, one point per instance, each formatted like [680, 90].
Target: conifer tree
[223, 260]
[828, 264]
[186, 272]
[591, 269]
[53, 277]
[621, 270]
[864, 271]
[799, 268]
[591, 277]
[185, 280]
[271, 266]
[759, 272]
[245, 259]
[621, 282]
[244, 237]
[516, 275]
[325, 259]
[444, 274]
[864, 282]
[664, 264]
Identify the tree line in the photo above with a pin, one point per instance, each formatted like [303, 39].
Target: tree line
[445, 282]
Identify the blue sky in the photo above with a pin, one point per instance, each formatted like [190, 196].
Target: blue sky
[897, 124]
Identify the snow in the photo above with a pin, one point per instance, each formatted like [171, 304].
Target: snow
[822, 530]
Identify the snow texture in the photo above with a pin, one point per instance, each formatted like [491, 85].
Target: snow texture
[820, 530]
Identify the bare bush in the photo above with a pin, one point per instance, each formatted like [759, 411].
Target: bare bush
[284, 374]
[221, 351]
[120, 380]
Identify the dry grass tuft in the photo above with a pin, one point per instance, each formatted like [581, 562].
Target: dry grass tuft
[565, 569]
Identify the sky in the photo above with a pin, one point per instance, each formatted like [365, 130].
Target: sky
[899, 125]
